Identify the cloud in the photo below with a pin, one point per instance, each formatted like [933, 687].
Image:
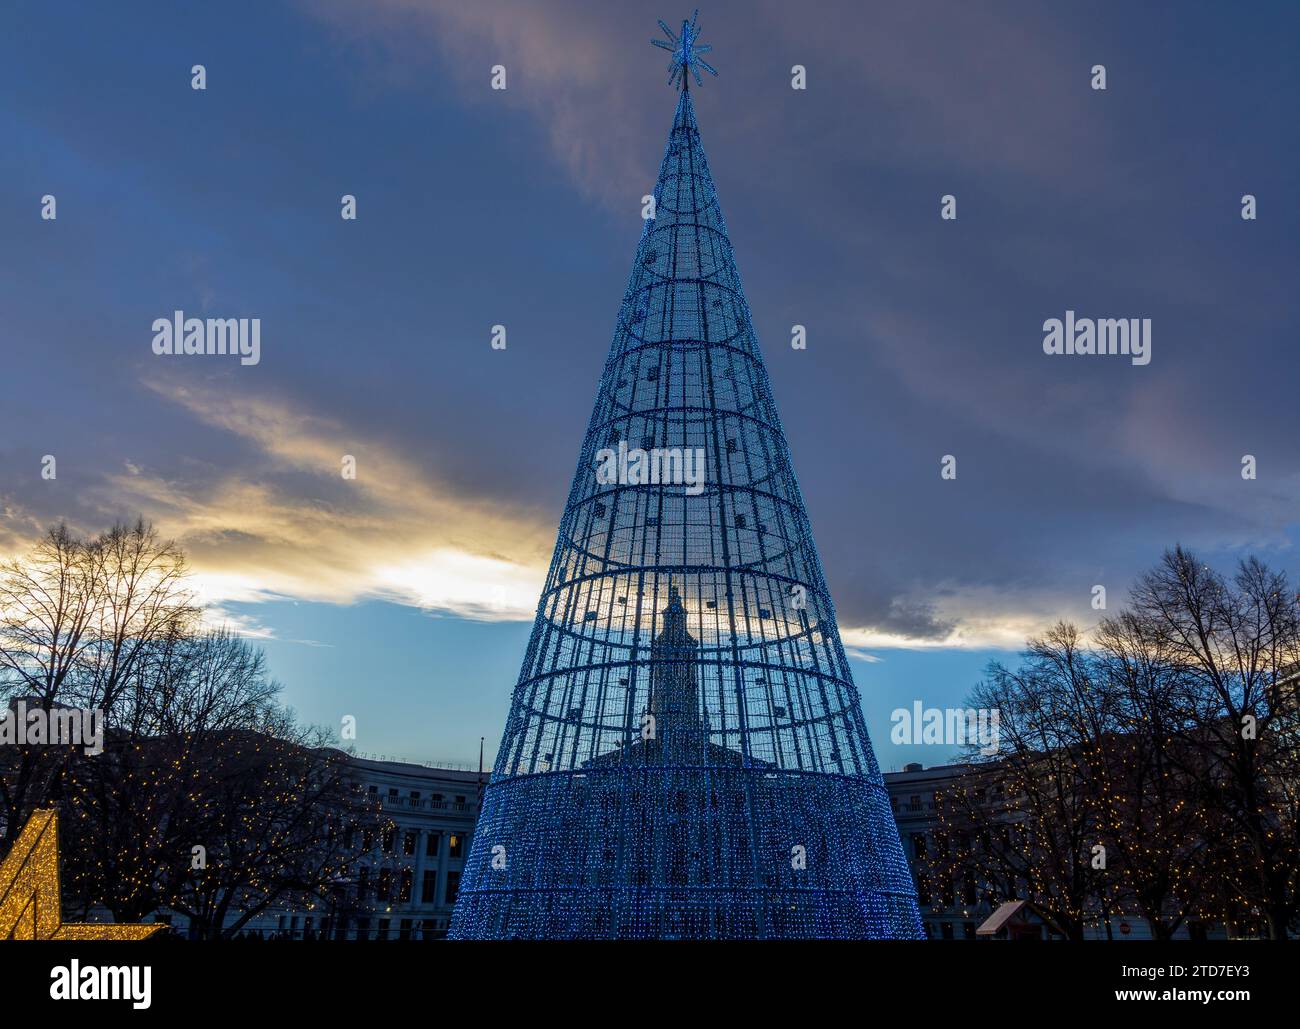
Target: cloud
[943, 82]
[1066, 468]
[278, 522]
[965, 617]
[287, 524]
[562, 61]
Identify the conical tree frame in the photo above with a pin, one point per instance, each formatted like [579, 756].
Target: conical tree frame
[685, 755]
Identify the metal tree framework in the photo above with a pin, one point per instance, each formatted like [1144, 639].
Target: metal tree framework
[685, 754]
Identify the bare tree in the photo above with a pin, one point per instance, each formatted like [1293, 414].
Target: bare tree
[142, 595]
[1026, 824]
[277, 812]
[133, 810]
[1235, 644]
[1172, 741]
[1162, 842]
[47, 606]
[198, 751]
[76, 616]
[209, 801]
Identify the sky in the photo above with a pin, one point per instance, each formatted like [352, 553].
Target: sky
[404, 597]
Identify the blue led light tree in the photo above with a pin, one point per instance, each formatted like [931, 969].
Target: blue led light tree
[685, 754]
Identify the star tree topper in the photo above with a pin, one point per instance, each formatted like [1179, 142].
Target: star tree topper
[687, 59]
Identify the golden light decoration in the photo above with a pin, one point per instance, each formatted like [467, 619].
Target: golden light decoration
[29, 891]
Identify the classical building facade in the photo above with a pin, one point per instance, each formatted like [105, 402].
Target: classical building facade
[949, 910]
[407, 877]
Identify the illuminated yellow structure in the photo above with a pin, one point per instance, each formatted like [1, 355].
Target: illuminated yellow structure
[29, 891]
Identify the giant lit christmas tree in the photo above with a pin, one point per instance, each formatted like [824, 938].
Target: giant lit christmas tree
[685, 754]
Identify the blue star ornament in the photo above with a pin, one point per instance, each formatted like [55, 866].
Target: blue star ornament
[687, 54]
